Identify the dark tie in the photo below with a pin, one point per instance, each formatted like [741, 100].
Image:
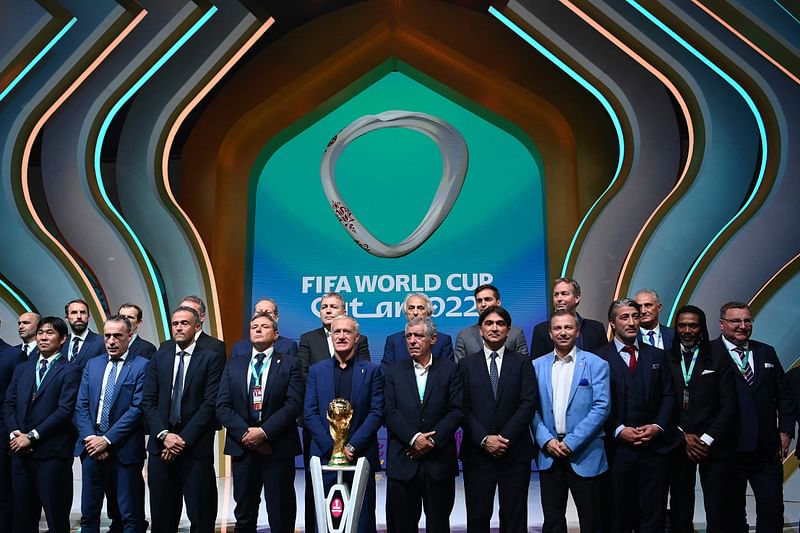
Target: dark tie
[631, 350]
[747, 372]
[108, 397]
[494, 376]
[25, 349]
[651, 335]
[177, 394]
[75, 343]
[256, 380]
[42, 370]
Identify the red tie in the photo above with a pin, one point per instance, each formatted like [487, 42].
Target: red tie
[632, 361]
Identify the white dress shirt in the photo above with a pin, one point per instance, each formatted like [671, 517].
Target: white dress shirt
[735, 355]
[267, 362]
[499, 360]
[561, 378]
[186, 359]
[657, 339]
[107, 371]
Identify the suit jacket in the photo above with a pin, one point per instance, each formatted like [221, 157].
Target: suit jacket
[92, 346]
[141, 347]
[282, 345]
[314, 348]
[282, 404]
[509, 415]
[366, 397]
[588, 408]
[204, 342]
[593, 336]
[200, 389]
[762, 404]
[667, 337]
[10, 357]
[396, 348]
[793, 382]
[127, 427]
[50, 413]
[469, 340]
[659, 401]
[33, 354]
[405, 416]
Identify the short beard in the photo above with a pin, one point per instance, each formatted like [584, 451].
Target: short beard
[79, 327]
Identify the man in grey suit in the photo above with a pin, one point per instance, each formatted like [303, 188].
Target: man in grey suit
[469, 339]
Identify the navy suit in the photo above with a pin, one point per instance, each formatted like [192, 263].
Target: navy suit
[593, 336]
[429, 479]
[142, 348]
[509, 415]
[10, 357]
[204, 342]
[638, 474]
[396, 348]
[366, 397]
[92, 346]
[45, 475]
[33, 354]
[191, 476]
[282, 404]
[282, 345]
[122, 471]
[667, 337]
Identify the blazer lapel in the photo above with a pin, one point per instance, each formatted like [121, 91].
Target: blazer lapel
[359, 373]
[191, 370]
[430, 383]
[577, 375]
[121, 376]
[272, 377]
[505, 373]
[55, 369]
[758, 366]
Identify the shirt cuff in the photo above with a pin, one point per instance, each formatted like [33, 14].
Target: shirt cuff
[618, 430]
[107, 441]
[708, 439]
[264, 432]
[35, 434]
[162, 434]
[414, 438]
[483, 442]
[11, 435]
[659, 427]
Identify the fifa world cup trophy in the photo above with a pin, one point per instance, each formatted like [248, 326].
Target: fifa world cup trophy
[340, 413]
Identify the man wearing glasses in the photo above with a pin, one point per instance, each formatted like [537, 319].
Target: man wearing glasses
[765, 422]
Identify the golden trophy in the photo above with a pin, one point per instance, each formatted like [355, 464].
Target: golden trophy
[340, 412]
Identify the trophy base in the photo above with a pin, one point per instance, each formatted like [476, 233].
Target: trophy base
[339, 460]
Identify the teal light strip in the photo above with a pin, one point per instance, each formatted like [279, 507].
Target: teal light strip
[594, 92]
[14, 294]
[787, 11]
[101, 136]
[761, 130]
[39, 56]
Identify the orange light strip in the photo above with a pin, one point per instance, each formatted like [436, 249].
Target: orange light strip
[774, 276]
[747, 41]
[26, 153]
[170, 139]
[686, 115]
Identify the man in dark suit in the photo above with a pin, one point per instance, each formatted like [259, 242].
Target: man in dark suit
[27, 325]
[38, 413]
[469, 339]
[765, 422]
[282, 344]
[138, 345]
[415, 305]
[359, 382]
[642, 409]
[706, 407]
[315, 346]
[83, 343]
[180, 393]
[108, 417]
[203, 340]
[260, 398]
[10, 357]
[500, 396]
[423, 406]
[567, 295]
[650, 330]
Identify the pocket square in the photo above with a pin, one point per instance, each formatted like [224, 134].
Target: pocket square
[583, 382]
[769, 365]
[655, 366]
[707, 372]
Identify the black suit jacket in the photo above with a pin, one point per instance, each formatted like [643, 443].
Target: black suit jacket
[200, 389]
[314, 348]
[33, 354]
[92, 346]
[793, 382]
[510, 415]
[593, 336]
[204, 342]
[659, 402]
[440, 411]
[761, 405]
[283, 403]
[142, 348]
[10, 357]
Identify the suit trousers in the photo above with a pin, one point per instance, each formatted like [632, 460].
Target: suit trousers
[310, 513]
[481, 480]
[588, 492]
[764, 471]
[128, 493]
[405, 500]
[45, 483]
[714, 479]
[638, 489]
[6, 494]
[251, 473]
[187, 478]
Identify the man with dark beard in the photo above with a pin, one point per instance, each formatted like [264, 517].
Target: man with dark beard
[83, 343]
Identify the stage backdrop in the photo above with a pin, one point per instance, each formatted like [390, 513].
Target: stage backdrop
[493, 234]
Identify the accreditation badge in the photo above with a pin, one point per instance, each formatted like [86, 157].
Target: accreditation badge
[258, 398]
[685, 399]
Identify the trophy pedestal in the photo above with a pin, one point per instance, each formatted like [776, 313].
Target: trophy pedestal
[338, 511]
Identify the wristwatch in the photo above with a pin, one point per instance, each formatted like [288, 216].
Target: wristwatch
[31, 436]
[350, 448]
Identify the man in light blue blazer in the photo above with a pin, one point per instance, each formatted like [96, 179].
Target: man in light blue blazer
[574, 394]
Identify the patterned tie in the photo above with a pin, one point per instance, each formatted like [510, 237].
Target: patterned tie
[177, 394]
[494, 376]
[747, 372]
[75, 342]
[256, 380]
[651, 335]
[631, 350]
[108, 396]
[42, 370]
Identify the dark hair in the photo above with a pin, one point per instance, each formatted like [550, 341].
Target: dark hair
[268, 316]
[132, 306]
[489, 287]
[120, 318]
[732, 305]
[622, 302]
[191, 310]
[58, 324]
[76, 301]
[504, 314]
[704, 344]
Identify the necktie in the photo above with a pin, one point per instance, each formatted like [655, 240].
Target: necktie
[747, 372]
[25, 349]
[255, 380]
[177, 394]
[75, 342]
[108, 396]
[630, 350]
[494, 376]
[651, 336]
[42, 370]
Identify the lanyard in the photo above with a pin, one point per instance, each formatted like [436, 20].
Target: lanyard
[50, 364]
[688, 375]
[260, 372]
[741, 363]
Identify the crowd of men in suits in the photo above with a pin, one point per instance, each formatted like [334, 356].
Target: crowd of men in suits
[623, 425]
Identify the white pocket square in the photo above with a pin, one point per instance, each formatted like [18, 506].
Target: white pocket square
[707, 372]
[769, 365]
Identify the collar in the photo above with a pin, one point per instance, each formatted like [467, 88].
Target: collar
[82, 337]
[49, 359]
[571, 356]
[656, 330]
[421, 367]
[134, 337]
[124, 356]
[267, 353]
[620, 345]
[731, 347]
[31, 345]
[197, 335]
[488, 353]
[189, 349]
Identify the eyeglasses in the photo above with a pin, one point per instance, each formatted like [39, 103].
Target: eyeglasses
[739, 321]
